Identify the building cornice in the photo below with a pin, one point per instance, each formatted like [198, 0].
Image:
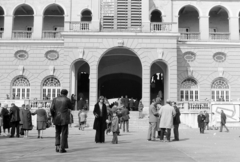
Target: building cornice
[33, 42]
[209, 44]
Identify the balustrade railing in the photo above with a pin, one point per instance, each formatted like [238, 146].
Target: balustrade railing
[22, 34]
[51, 35]
[161, 27]
[80, 26]
[193, 106]
[34, 103]
[219, 36]
[189, 36]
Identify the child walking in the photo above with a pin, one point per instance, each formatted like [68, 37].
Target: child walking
[82, 116]
[115, 128]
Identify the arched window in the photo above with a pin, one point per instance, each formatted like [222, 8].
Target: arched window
[220, 90]
[156, 16]
[21, 88]
[189, 90]
[86, 16]
[51, 88]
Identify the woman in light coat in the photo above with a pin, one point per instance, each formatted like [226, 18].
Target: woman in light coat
[140, 109]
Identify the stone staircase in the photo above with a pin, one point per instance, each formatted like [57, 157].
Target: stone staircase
[134, 122]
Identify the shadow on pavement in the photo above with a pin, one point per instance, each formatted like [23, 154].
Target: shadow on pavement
[81, 149]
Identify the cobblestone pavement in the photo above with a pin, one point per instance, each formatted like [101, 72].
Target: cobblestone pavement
[193, 146]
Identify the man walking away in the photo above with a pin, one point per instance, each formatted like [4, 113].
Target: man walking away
[166, 113]
[153, 117]
[176, 122]
[206, 120]
[14, 120]
[61, 118]
[223, 121]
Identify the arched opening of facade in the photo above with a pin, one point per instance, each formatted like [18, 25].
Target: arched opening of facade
[1, 21]
[53, 22]
[51, 88]
[23, 21]
[120, 74]
[156, 16]
[189, 90]
[80, 81]
[220, 90]
[20, 88]
[86, 15]
[159, 81]
[188, 23]
[218, 23]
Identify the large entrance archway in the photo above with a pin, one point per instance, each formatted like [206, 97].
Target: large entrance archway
[159, 81]
[120, 74]
[80, 80]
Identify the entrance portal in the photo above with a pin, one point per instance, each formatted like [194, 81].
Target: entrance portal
[159, 80]
[120, 74]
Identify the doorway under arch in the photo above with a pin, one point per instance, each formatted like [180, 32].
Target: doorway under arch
[159, 81]
[120, 74]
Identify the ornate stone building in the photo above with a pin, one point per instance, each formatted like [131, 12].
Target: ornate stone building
[182, 50]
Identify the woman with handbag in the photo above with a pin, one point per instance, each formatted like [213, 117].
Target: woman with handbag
[26, 120]
[41, 120]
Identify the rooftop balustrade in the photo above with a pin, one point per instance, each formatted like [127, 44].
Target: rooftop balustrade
[79, 26]
[188, 36]
[219, 36]
[161, 27]
[22, 34]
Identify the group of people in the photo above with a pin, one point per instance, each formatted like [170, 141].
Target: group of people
[20, 120]
[162, 119]
[204, 121]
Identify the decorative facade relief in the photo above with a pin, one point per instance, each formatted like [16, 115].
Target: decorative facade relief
[21, 69]
[160, 53]
[190, 71]
[51, 70]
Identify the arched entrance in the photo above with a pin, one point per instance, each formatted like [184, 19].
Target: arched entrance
[120, 74]
[80, 80]
[159, 81]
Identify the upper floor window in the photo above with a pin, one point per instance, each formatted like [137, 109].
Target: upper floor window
[51, 88]
[1, 21]
[21, 88]
[121, 15]
[156, 16]
[86, 16]
[220, 90]
[189, 90]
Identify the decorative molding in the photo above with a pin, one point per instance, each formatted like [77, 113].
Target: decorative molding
[120, 43]
[21, 69]
[220, 71]
[81, 53]
[51, 70]
[190, 71]
[160, 53]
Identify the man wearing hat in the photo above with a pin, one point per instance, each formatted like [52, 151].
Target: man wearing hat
[153, 118]
[166, 113]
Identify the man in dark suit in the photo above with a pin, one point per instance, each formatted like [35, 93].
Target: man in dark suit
[176, 122]
[206, 120]
[223, 121]
[60, 110]
[14, 120]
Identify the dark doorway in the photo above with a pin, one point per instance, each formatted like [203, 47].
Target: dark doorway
[83, 85]
[157, 86]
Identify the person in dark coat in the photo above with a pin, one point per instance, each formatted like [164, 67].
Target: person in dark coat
[41, 120]
[14, 120]
[100, 125]
[61, 118]
[5, 119]
[131, 104]
[136, 103]
[223, 121]
[80, 104]
[125, 119]
[176, 122]
[206, 120]
[26, 120]
[201, 119]
[73, 101]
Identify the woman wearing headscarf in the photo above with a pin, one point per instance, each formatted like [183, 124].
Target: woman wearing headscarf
[41, 120]
[100, 125]
[26, 120]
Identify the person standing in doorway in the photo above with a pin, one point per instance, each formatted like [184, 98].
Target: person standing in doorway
[131, 104]
[80, 104]
[14, 120]
[176, 122]
[167, 113]
[140, 109]
[73, 101]
[223, 121]
[61, 118]
[201, 119]
[206, 120]
[100, 125]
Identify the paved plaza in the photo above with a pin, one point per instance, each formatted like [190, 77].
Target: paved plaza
[211, 146]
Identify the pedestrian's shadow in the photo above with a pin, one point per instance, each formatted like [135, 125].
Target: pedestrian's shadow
[81, 149]
[183, 139]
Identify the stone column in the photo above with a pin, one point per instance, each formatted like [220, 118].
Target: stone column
[145, 16]
[204, 27]
[37, 27]
[8, 26]
[146, 87]
[234, 28]
[95, 24]
[93, 91]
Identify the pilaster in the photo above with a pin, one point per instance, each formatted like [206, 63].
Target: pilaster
[37, 27]
[234, 28]
[8, 25]
[204, 27]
